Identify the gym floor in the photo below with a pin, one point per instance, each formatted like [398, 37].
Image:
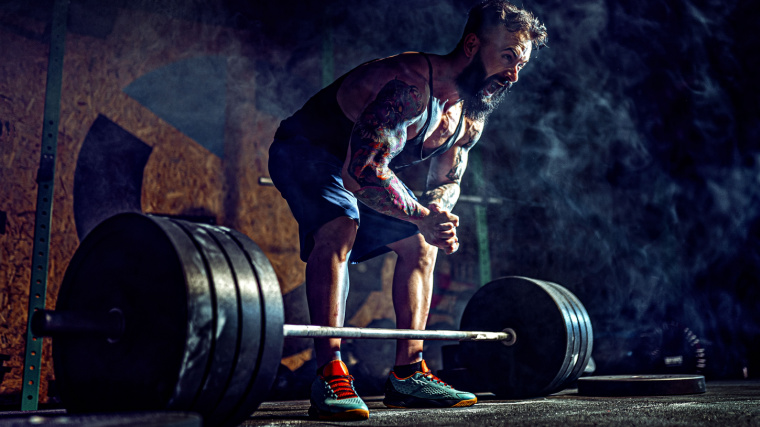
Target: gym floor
[726, 403]
[734, 403]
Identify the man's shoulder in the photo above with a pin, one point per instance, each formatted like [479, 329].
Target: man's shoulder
[410, 68]
[364, 83]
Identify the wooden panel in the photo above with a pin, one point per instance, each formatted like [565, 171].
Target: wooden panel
[181, 177]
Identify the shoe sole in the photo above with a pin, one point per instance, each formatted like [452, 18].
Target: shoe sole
[429, 403]
[349, 415]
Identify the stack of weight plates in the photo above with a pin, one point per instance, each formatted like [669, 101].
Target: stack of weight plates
[202, 313]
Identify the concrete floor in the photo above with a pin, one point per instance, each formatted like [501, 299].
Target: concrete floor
[724, 404]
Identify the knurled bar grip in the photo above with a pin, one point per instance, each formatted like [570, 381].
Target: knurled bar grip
[311, 331]
[30, 389]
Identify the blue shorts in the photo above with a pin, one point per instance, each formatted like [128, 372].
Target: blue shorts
[309, 178]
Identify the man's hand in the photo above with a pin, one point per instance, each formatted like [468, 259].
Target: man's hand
[439, 229]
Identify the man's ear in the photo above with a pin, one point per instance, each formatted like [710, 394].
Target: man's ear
[471, 44]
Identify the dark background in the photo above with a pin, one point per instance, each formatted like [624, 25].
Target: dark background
[626, 158]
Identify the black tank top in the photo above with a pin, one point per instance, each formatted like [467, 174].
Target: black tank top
[322, 121]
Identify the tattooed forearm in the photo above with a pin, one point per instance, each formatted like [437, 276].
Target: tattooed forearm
[378, 135]
[445, 196]
[444, 178]
[460, 163]
[390, 201]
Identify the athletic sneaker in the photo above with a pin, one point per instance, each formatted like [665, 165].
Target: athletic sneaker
[422, 389]
[333, 396]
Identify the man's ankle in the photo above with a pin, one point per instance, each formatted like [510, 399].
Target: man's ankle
[404, 371]
[322, 362]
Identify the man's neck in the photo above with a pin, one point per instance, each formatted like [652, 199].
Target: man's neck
[446, 68]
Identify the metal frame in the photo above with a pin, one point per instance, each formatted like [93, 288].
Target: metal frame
[481, 220]
[30, 389]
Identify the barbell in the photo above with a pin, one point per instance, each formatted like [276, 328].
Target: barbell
[155, 313]
[111, 326]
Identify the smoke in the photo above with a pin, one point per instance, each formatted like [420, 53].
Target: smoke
[626, 150]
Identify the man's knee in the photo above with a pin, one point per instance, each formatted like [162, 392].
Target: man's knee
[415, 249]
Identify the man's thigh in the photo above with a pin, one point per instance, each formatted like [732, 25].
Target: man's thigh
[309, 179]
[377, 231]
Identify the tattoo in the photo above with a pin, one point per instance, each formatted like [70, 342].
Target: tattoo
[379, 135]
[445, 195]
[460, 163]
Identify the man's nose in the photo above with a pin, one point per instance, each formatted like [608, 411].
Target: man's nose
[511, 74]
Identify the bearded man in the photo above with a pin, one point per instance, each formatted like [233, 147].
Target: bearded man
[335, 162]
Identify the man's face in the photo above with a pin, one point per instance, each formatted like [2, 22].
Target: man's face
[494, 68]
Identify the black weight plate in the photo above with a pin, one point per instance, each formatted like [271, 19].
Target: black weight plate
[249, 324]
[588, 338]
[582, 339]
[130, 263]
[539, 356]
[225, 343]
[200, 321]
[641, 385]
[574, 338]
[271, 334]
[586, 334]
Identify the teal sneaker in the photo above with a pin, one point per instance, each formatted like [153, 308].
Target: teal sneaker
[422, 389]
[333, 396]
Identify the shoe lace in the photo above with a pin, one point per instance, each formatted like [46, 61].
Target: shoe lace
[431, 377]
[342, 386]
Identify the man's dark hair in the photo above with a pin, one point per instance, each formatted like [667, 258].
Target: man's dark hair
[492, 13]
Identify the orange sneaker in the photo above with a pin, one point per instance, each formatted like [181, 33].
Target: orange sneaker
[333, 396]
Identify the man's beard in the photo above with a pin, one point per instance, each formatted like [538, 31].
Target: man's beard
[470, 84]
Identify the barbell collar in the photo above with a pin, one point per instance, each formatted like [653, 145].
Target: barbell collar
[313, 331]
[53, 323]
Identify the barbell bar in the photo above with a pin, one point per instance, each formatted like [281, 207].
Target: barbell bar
[112, 325]
[506, 337]
[189, 317]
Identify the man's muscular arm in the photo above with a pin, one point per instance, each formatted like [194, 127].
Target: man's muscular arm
[379, 134]
[446, 173]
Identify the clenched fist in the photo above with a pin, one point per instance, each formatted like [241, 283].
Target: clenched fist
[439, 229]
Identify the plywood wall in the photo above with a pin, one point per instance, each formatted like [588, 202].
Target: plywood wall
[181, 176]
